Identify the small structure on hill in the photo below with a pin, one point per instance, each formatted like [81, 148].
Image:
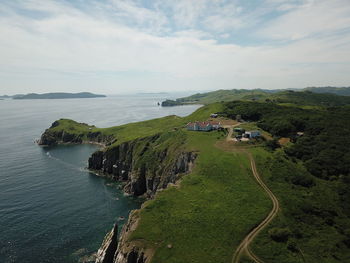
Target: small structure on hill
[213, 115]
[203, 126]
[239, 118]
[252, 134]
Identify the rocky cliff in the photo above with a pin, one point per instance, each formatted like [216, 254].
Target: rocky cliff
[109, 246]
[145, 165]
[125, 251]
[131, 251]
[85, 134]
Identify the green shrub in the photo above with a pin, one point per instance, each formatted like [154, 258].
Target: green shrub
[279, 234]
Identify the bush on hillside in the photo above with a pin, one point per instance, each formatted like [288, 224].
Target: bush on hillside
[279, 234]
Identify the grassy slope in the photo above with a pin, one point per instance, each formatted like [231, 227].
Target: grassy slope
[209, 214]
[203, 218]
[290, 98]
[136, 130]
[223, 95]
[308, 213]
[310, 99]
[343, 91]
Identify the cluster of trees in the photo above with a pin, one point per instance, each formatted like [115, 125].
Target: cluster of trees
[325, 142]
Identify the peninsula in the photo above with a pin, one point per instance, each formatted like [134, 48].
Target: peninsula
[56, 95]
[223, 195]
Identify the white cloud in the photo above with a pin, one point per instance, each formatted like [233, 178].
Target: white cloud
[312, 18]
[74, 49]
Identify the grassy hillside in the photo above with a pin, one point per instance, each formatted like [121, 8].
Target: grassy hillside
[324, 146]
[342, 91]
[292, 98]
[135, 130]
[309, 98]
[208, 215]
[313, 225]
[218, 96]
[204, 218]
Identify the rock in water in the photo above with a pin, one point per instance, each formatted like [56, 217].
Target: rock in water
[109, 246]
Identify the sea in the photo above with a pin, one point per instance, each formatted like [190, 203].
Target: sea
[52, 209]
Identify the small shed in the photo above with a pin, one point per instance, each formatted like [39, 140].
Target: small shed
[252, 134]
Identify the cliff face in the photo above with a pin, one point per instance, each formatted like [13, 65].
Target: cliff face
[109, 246]
[123, 252]
[53, 137]
[131, 252]
[143, 164]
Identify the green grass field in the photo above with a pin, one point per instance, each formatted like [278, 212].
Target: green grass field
[136, 130]
[210, 213]
[218, 203]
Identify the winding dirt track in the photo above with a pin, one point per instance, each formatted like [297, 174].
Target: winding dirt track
[244, 245]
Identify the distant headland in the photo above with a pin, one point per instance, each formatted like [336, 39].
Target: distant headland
[55, 95]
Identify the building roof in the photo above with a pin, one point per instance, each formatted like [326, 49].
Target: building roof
[203, 124]
[214, 122]
[252, 131]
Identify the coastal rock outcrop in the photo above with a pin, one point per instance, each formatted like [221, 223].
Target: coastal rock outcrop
[109, 246]
[131, 251]
[84, 134]
[143, 165]
[125, 251]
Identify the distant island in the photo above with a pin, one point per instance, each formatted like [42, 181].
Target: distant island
[57, 95]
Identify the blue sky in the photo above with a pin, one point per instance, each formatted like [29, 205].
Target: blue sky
[118, 46]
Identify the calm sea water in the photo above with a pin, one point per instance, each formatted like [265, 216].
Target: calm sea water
[51, 208]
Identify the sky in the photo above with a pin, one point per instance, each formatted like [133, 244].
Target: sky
[126, 46]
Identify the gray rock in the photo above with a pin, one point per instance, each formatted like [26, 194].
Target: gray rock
[108, 248]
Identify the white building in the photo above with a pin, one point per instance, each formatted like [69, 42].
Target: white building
[252, 134]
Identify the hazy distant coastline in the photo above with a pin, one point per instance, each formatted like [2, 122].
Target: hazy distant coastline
[55, 95]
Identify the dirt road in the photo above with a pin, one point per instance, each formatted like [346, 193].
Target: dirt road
[244, 245]
[230, 131]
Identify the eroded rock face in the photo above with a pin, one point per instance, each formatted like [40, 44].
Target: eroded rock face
[131, 252]
[129, 163]
[134, 256]
[123, 252]
[51, 137]
[108, 248]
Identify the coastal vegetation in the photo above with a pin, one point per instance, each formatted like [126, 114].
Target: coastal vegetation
[313, 223]
[342, 91]
[203, 198]
[307, 97]
[207, 215]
